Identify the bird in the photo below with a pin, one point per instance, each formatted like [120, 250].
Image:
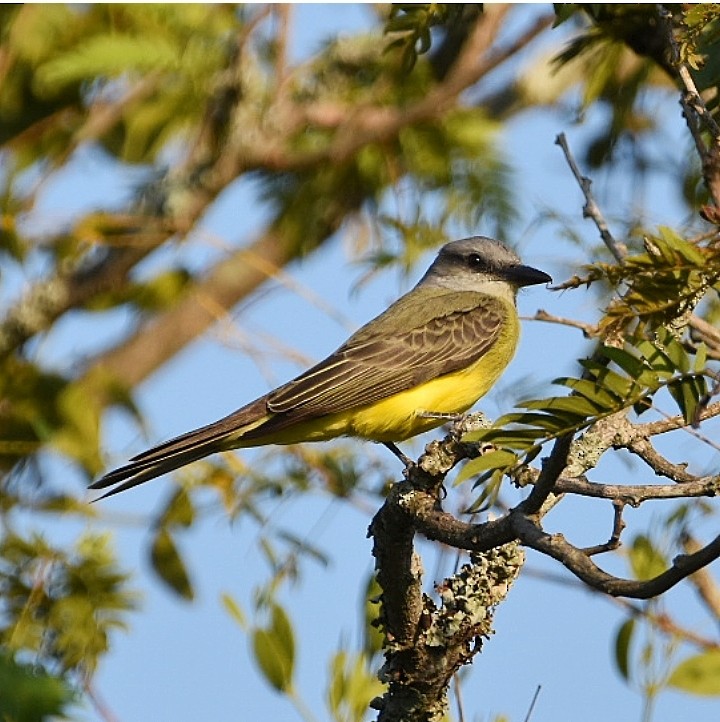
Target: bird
[431, 355]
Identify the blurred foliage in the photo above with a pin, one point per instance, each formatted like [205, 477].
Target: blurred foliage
[409, 27]
[29, 694]
[184, 101]
[698, 674]
[661, 286]
[651, 652]
[353, 685]
[61, 605]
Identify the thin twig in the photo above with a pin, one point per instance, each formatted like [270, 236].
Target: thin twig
[636, 494]
[672, 423]
[457, 689]
[101, 708]
[693, 99]
[589, 330]
[555, 545]
[532, 703]
[706, 333]
[591, 209]
[696, 114]
[713, 410]
[618, 525]
[641, 447]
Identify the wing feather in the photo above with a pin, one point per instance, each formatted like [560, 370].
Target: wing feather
[360, 373]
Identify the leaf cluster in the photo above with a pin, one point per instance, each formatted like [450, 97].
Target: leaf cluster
[620, 48]
[410, 28]
[660, 287]
[698, 35]
[61, 606]
[615, 379]
[41, 407]
[647, 646]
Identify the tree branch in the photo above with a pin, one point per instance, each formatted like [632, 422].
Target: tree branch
[706, 587]
[618, 526]
[426, 643]
[696, 114]
[591, 209]
[584, 568]
[636, 494]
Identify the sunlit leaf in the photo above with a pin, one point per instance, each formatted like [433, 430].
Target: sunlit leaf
[352, 686]
[274, 649]
[179, 510]
[497, 459]
[234, 610]
[623, 639]
[699, 674]
[106, 55]
[646, 561]
[169, 566]
[372, 634]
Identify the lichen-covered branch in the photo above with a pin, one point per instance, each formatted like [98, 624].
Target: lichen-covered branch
[418, 502]
[426, 641]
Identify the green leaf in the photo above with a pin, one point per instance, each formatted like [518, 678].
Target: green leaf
[514, 438]
[646, 561]
[687, 393]
[29, 694]
[168, 564]
[674, 351]
[373, 637]
[498, 459]
[598, 391]
[352, 687]
[700, 358]
[179, 510]
[489, 494]
[234, 610]
[688, 251]
[631, 365]
[78, 436]
[576, 407]
[274, 649]
[612, 383]
[699, 674]
[622, 647]
[552, 422]
[658, 359]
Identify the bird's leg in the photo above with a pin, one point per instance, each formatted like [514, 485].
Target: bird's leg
[406, 460]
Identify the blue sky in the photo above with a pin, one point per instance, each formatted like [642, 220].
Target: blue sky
[186, 662]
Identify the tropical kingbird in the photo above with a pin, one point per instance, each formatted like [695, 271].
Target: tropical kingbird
[433, 353]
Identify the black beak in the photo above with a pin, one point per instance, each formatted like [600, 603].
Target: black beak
[526, 276]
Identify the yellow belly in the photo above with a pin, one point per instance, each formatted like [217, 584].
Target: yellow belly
[401, 416]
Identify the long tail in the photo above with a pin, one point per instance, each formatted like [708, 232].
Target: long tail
[184, 449]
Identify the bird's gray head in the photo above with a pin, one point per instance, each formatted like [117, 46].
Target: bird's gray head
[481, 264]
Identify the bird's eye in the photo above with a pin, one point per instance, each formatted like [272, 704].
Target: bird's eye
[475, 261]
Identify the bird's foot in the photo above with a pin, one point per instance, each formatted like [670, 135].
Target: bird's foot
[441, 415]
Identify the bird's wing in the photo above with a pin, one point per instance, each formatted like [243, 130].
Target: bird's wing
[372, 365]
[362, 372]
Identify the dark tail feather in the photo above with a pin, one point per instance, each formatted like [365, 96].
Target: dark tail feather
[181, 450]
[138, 472]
